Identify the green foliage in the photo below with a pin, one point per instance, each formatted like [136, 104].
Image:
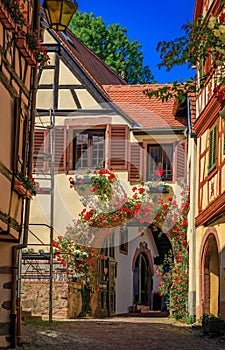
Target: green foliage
[202, 39]
[76, 257]
[174, 270]
[30, 184]
[17, 11]
[86, 291]
[112, 45]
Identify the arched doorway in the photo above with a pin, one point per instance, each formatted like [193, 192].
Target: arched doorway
[141, 281]
[210, 277]
[142, 276]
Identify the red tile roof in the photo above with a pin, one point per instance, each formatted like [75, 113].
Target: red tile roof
[148, 112]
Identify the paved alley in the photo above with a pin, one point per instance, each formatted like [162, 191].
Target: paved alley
[117, 333]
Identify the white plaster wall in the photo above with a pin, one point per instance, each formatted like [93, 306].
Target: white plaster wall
[124, 280]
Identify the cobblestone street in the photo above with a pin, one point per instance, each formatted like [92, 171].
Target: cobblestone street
[117, 333]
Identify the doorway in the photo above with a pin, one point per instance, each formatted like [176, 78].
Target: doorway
[210, 277]
[142, 280]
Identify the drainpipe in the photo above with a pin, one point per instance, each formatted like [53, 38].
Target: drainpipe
[191, 220]
[15, 298]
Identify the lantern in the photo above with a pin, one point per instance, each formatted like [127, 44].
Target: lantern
[59, 13]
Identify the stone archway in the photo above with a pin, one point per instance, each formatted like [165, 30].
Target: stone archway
[210, 280]
[142, 275]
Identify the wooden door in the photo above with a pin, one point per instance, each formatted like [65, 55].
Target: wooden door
[107, 292]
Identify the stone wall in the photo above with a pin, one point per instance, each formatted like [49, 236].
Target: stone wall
[35, 298]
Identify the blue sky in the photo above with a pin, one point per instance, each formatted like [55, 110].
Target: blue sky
[147, 21]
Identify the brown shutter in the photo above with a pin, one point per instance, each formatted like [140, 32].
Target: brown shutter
[118, 135]
[135, 162]
[60, 149]
[39, 151]
[180, 165]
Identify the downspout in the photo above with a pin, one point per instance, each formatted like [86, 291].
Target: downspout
[191, 219]
[16, 298]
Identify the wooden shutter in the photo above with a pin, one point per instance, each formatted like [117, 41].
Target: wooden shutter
[180, 165]
[135, 162]
[60, 149]
[39, 151]
[118, 135]
[212, 148]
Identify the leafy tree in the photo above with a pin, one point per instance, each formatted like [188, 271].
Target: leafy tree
[112, 45]
[202, 45]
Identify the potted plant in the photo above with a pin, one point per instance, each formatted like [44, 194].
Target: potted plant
[14, 16]
[98, 182]
[82, 183]
[5, 17]
[26, 186]
[31, 48]
[213, 325]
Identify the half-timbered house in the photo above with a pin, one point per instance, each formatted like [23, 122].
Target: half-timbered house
[210, 203]
[99, 119]
[18, 72]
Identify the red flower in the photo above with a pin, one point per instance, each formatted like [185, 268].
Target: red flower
[134, 189]
[159, 172]
[141, 190]
[185, 222]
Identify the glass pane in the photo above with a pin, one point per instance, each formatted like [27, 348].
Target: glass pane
[81, 151]
[159, 162]
[167, 153]
[98, 148]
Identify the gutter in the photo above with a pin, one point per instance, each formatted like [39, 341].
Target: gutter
[159, 130]
[191, 133]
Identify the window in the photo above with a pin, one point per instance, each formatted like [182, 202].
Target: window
[212, 148]
[123, 240]
[159, 165]
[89, 149]
[108, 246]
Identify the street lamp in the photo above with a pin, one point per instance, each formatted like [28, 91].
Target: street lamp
[59, 13]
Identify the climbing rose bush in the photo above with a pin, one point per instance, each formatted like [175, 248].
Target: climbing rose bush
[141, 208]
[174, 271]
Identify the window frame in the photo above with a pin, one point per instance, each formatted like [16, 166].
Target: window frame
[169, 172]
[123, 240]
[90, 132]
[212, 153]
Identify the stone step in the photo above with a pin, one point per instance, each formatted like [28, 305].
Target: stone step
[143, 308]
[27, 315]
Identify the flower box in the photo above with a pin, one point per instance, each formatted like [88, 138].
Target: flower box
[83, 181]
[6, 18]
[21, 189]
[25, 50]
[159, 189]
[83, 186]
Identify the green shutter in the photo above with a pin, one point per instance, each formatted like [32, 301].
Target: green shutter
[212, 148]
